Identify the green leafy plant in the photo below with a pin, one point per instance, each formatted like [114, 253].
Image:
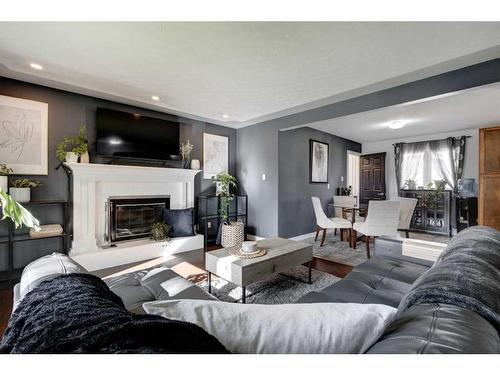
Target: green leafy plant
[77, 144]
[226, 181]
[5, 170]
[17, 213]
[25, 183]
[159, 232]
[435, 195]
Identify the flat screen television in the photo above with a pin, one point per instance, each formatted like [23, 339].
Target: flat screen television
[130, 135]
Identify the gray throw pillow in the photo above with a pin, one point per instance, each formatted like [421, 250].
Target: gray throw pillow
[181, 222]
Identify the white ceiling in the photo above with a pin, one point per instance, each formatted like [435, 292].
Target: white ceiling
[468, 109]
[250, 71]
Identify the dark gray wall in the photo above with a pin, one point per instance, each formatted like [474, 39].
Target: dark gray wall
[295, 211]
[67, 112]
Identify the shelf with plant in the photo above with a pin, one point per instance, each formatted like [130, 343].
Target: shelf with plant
[5, 171]
[20, 189]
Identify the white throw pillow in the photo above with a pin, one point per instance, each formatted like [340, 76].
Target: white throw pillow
[45, 268]
[293, 328]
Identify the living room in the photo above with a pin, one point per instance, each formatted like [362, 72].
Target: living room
[220, 183]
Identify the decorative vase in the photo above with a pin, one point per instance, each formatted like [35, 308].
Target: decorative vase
[71, 157]
[233, 234]
[21, 195]
[85, 158]
[412, 185]
[195, 164]
[4, 183]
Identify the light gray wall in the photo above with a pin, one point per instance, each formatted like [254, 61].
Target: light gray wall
[67, 112]
[295, 211]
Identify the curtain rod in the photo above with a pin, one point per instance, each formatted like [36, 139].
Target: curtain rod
[466, 136]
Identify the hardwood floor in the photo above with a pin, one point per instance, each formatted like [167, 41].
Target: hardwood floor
[6, 297]
[188, 270]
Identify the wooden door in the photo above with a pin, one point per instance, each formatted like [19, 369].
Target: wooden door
[372, 178]
[489, 177]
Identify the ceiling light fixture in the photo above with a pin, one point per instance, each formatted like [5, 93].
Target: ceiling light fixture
[155, 97]
[36, 66]
[225, 116]
[397, 124]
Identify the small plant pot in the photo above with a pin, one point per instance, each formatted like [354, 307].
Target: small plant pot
[20, 195]
[71, 157]
[4, 183]
[195, 164]
[85, 158]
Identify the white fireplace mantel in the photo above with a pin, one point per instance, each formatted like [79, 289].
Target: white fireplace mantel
[93, 184]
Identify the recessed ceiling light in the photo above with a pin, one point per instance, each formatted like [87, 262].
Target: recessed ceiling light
[397, 124]
[225, 116]
[36, 66]
[155, 97]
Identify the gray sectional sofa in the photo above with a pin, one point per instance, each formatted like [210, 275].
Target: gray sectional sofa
[469, 325]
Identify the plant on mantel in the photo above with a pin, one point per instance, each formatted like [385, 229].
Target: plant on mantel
[76, 144]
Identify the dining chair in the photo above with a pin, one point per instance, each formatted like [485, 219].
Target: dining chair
[323, 222]
[406, 208]
[382, 220]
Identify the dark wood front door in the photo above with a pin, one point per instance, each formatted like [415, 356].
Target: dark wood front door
[372, 178]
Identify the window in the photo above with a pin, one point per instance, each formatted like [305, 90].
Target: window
[420, 165]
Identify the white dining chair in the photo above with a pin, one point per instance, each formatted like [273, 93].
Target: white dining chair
[382, 220]
[323, 222]
[406, 208]
[346, 201]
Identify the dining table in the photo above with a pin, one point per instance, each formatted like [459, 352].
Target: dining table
[355, 211]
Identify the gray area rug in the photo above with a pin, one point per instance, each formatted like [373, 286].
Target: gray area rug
[340, 252]
[337, 251]
[285, 287]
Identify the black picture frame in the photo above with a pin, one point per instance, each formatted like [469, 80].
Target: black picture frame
[313, 178]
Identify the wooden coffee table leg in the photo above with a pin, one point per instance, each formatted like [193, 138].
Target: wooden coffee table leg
[309, 266]
[210, 282]
[243, 294]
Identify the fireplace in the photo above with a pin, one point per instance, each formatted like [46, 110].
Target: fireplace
[131, 217]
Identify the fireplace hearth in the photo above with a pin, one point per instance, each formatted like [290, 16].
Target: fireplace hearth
[130, 218]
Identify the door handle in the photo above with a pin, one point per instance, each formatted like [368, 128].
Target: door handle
[380, 194]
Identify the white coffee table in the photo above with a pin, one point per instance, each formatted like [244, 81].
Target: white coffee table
[281, 255]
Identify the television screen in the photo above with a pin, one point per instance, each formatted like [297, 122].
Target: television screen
[130, 135]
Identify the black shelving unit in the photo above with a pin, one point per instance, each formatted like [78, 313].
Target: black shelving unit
[13, 236]
[209, 219]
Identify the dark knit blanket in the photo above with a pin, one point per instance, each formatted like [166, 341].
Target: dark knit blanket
[467, 274]
[77, 313]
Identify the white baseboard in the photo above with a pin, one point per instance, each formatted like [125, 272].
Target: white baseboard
[303, 236]
[254, 238]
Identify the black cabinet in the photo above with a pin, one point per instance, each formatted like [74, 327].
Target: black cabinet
[466, 209]
[435, 219]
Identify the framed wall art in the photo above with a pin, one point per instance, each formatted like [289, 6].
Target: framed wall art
[23, 135]
[318, 162]
[215, 155]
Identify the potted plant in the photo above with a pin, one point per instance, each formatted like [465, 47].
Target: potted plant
[4, 180]
[159, 232]
[18, 214]
[70, 148]
[411, 184]
[230, 233]
[21, 189]
[434, 195]
[186, 149]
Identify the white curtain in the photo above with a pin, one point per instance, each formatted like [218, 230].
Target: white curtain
[412, 155]
[442, 159]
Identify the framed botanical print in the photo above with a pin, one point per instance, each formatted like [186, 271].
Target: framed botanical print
[23, 135]
[318, 162]
[215, 155]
